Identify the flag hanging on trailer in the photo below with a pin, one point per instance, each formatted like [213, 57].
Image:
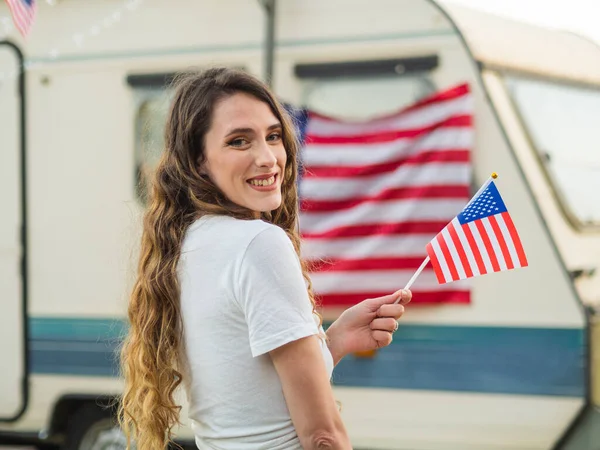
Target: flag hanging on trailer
[374, 193]
[23, 13]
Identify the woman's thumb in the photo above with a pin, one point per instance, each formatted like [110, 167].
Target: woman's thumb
[391, 298]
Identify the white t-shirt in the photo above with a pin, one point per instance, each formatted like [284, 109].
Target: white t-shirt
[242, 295]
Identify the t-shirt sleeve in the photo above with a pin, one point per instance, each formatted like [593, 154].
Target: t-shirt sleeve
[273, 294]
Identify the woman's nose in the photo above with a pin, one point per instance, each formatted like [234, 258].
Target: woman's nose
[265, 156]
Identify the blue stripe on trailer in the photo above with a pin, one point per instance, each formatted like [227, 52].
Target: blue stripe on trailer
[75, 346]
[531, 361]
[509, 360]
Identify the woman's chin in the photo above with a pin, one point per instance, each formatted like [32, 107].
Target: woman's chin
[266, 205]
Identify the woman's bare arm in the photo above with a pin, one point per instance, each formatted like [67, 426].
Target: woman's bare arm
[309, 396]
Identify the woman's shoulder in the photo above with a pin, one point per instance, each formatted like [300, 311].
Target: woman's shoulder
[222, 224]
[213, 228]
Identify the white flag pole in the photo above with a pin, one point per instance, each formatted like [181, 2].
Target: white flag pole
[426, 260]
[414, 277]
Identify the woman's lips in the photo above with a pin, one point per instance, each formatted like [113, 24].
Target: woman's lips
[264, 183]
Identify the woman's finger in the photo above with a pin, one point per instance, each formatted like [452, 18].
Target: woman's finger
[385, 324]
[383, 338]
[394, 311]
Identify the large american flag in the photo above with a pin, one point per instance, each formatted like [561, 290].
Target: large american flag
[23, 12]
[481, 239]
[374, 193]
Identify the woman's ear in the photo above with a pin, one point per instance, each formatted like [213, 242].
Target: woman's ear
[203, 171]
[201, 167]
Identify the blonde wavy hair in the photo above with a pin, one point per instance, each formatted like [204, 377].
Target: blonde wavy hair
[180, 194]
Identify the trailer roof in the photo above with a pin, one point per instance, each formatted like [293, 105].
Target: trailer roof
[504, 43]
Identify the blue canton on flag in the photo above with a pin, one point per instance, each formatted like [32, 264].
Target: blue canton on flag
[300, 118]
[486, 204]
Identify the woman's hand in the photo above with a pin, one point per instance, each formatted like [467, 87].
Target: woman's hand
[366, 326]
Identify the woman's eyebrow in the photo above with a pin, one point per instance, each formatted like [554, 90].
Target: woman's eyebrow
[242, 130]
[274, 126]
[239, 131]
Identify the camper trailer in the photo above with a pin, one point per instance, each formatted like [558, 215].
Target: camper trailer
[82, 106]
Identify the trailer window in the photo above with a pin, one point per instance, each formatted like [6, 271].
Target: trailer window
[562, 121]
[365, 97]
[150, 124]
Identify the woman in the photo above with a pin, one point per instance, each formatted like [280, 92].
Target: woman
[222, 301]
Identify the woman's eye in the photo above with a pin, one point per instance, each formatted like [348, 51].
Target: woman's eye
[274, 136]
[238, 142]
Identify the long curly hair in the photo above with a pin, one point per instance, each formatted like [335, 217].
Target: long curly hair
[180, 194]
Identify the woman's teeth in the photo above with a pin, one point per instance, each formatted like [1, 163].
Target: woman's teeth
[265, 182]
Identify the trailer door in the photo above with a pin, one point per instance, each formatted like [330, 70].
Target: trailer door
[12, 254]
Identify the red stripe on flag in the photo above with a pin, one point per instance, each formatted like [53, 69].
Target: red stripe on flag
[392, 135]
[474, 248]
[460, 250]
[419, 297]
[347, 265]
[502, 242]
[447, 257]
[515, 238]
[449, 94]
[377, 229]
[436, 264]
[419, 192]
[488, 245]
[441, 97]
[421, 158]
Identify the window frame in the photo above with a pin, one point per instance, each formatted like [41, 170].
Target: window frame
[366, 68]
[142, 94]
[370, 69]
[557, 192]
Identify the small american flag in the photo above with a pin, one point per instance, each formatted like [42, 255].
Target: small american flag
[23, 12]
[481, 239]
[373, 194]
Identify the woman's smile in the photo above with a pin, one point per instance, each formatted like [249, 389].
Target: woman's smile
[264, 183]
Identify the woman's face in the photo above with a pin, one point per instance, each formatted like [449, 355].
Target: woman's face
[244, 152]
